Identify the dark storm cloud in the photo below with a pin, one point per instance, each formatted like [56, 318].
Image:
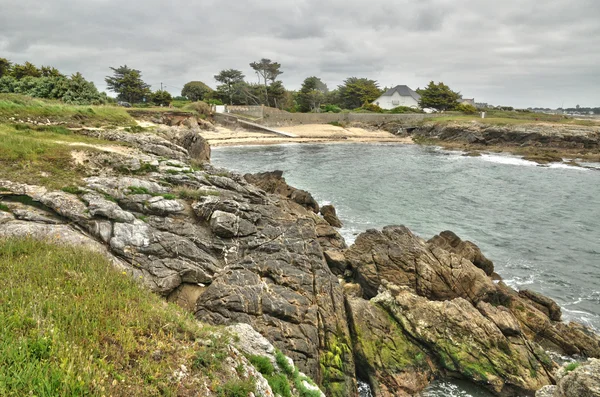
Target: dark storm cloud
[514, 52]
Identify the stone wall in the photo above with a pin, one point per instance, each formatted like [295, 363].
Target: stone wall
[285, 119]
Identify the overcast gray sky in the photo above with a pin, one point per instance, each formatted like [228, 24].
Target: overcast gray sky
[505, 52]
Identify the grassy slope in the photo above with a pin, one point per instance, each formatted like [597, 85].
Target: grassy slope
[21, 107]
[511, 118]
[39, 155]
[72, 326]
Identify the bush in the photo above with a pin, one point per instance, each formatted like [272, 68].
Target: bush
[466, 108]
[162, 98]
[372, 107]
[331, 109]
[404, 109]
[202, 108]
[237, 388]
[262, 364]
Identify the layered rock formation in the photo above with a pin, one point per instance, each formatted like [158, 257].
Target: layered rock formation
[393, 308]
[548, 136]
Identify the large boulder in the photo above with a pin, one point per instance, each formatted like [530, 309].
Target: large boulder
[395, 254]
[274, 182]
[575, 380]
[392, 363]
[452, 243]
[466, 343]
[329, 214]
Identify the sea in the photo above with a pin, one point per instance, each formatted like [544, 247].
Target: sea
[540, 225]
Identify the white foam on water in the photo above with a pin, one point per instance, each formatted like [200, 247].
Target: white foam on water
[507, 160]
[566, 167]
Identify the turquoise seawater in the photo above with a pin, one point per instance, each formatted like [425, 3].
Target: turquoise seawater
[539, 225]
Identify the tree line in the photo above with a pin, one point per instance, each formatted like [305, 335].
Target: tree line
[232, 88]
[48, 82]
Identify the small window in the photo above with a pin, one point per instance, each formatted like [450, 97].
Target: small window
[395, 102]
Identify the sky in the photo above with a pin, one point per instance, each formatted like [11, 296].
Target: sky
[522, 53]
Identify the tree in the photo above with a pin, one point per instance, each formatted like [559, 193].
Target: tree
[312, 94]
[25, 70]
[269, 71]
[5, 66]
[195, 90]
[438, 96]
[161, 98]
[49, 71]
[356, 91]
[128, 84]
[230, 80]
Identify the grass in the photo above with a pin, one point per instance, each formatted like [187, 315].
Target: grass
[96, 332]
[499, 117]
[4, 207]
[187, 193]
[41, 155]
[22, 107]
[572, 366]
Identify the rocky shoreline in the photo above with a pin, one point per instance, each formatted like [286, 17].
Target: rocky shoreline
[393, 309]
[542, 142]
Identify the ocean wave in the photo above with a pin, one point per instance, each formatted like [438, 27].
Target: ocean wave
[507, 160]
[566, 167]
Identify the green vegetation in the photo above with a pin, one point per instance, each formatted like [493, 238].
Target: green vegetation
[196, 91]
[41, 155]
[96, 332]
[236, 388]
[72, 189]
[311, 94]
[194, 194]
[572, 366]
[21, 107]
[161, 98]
[47, 82]
[438, 96]
[4, 207]
[128, 84]
[138, 190]
[356, 91]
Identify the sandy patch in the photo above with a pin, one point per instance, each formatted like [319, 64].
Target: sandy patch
[309, 133]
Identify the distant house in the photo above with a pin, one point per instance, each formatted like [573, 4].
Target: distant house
[400, 95]
[467, 101]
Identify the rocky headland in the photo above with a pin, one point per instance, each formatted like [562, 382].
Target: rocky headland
[393, 309]
[540, 142]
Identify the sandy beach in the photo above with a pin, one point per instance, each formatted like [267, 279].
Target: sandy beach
[308, 133]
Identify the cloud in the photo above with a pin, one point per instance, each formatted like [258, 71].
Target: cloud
[515, 52]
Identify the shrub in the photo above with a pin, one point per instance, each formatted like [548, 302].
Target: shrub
[236, 388]
[280, 385]
[162, 98]
[404, 109]
[331, 109]
[372, 107]
[572, 366]
[194, 194]
[262, 364]
[283, 363]
[466, 108]
[202, 108]
[72, 189]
